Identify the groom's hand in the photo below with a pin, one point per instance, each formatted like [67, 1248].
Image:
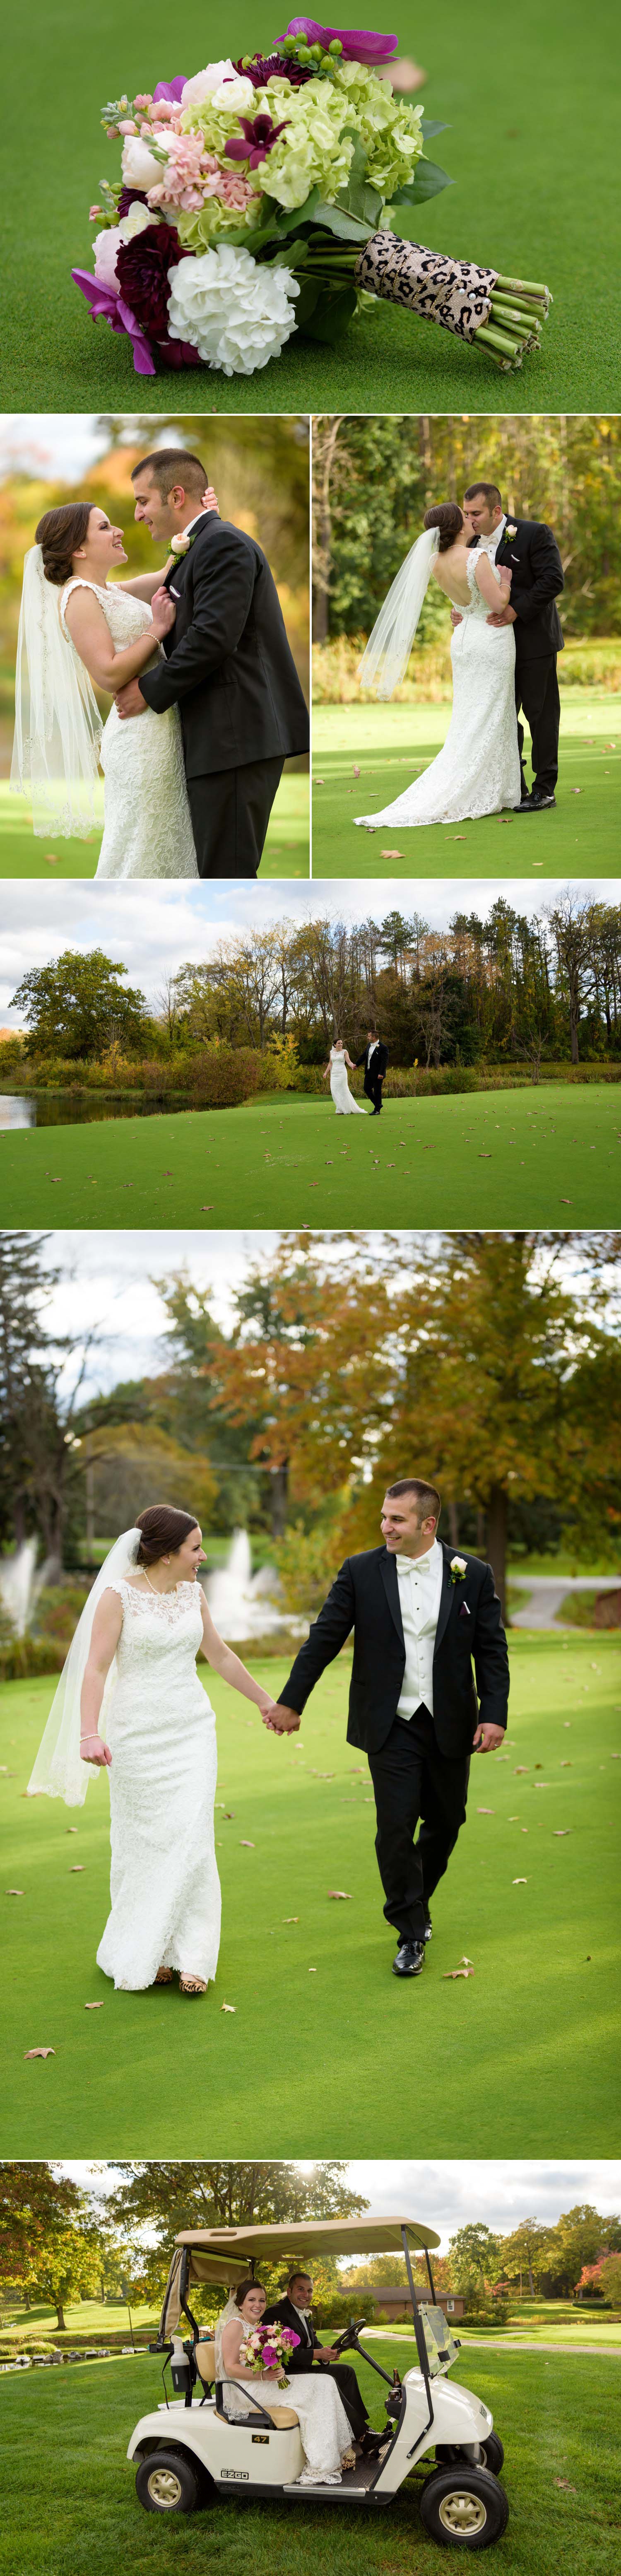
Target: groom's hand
[487, 1738]
[282, 1721]
[130, 701]
[505, 617]
[456, 617]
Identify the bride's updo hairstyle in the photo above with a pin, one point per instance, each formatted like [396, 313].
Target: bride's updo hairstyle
[448, 519]
[59, 534]
[242, 2289]
[162, 1531]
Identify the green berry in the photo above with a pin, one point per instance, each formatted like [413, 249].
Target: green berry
[336, 46]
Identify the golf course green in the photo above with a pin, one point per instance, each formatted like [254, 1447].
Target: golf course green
[531, 151]
[286, 852]
[537, 1156]
[319, 2040]
[390, 745]
[73, 2501]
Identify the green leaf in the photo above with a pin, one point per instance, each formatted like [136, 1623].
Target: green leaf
[330, 316]
[345, 227]
[305, 302]
[428, 181]
[433, 125]
[358, 197]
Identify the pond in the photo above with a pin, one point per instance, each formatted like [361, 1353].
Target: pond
[85, 1108]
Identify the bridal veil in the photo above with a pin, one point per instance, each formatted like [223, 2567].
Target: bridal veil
[59, 1771]
[386, 655]
[58, 726]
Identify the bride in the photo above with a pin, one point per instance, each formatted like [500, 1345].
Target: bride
[132, 1664]
[338, 1065]
[77, 629]
[324, 2429]
[478, 769]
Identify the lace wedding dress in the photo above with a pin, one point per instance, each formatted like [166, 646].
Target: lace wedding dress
[147, 829]
[164, 1885]
[478, 769]
[325, 2432]
[345, 1105]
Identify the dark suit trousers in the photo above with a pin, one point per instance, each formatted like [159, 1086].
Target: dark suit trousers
[230, 812]
[412, 1780]
[373, 1087]
[537, 693]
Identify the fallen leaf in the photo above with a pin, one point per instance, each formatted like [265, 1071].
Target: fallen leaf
[560, 1831]
[228, 2008]
[341, 1895]
[77, 1869]
[207, 1211]
[71, 1829]
[94, 2007]
[486, 1811]
[15, 1891]
[391, 854]
[466, 1963]
[519, 1882]
[50, 859]
[566, 2482]
[355, 770]
[450, 1974]
[291, 1918]
[312, 1972]
[244, 1846]
[519, 1768]
[39, 2052]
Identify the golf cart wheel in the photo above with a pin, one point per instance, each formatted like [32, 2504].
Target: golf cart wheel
[167, 2482]
[463, 2509]
[492, 2453]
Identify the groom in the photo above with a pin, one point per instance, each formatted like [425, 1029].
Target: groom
[420, 1618]
[228, 667]
[375, 1060]
[531, 553]
[295, 2311]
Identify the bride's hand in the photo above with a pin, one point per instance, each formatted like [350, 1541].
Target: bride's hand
[163, 612]
[209, 500]
[94, 1750]
[268, 1708]
[506, 577]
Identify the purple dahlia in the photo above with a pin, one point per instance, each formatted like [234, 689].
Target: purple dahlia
[266, 67]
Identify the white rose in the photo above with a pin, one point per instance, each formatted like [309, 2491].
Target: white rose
[234, 311]
[238, 94]
[138, 165]
[137, 221]
[204, 83]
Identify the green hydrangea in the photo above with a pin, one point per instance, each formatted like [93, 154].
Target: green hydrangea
[214, 220]
[316, 148]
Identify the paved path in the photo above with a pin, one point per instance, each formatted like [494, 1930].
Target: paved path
[515, 2343]
[547, 1591]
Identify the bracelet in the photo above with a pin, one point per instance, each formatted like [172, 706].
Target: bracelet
[93, 1738]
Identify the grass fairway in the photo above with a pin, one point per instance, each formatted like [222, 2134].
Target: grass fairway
[73, 2503]
[392, 744]
[286, 852]
[509, 152]
[516, 2060]
[517, 1158]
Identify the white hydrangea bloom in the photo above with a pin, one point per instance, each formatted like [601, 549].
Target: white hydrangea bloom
[235, 311]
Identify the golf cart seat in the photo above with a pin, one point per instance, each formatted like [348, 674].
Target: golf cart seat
[205, 2357]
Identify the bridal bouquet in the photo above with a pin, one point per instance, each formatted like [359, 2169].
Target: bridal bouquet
[268, 196]
[264, 2346]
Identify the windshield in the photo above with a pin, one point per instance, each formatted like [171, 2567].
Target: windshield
[440, 2344]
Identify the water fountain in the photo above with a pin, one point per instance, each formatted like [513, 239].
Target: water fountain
[242, 1604]
[20, 1585]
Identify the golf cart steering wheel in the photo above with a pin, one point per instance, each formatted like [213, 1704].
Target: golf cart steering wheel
[343, 2342]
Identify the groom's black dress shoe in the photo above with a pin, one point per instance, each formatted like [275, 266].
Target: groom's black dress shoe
[535, 804]
[371, 2443]
[409, 1960]
[428, 1931]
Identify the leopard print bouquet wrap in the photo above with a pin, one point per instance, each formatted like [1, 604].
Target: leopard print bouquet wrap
[452, 292]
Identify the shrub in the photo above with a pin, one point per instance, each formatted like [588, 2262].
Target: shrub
[224, 1076]
[340, 2312]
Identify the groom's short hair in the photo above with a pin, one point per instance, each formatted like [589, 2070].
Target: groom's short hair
[490, 489]
[169, 465]
[427, 1496]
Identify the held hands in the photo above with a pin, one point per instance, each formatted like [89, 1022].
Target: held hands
[267, 1707]
[281, 1720]
[487, 1738]
[163, 612]
[93, 1750]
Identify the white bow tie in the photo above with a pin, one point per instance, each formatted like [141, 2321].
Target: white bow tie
[413, 1564]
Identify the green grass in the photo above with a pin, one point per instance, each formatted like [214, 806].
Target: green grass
[532, 152]
[390, 744]
[517, 2060]
[73, 2504]
[517, 1158]
[286, 851]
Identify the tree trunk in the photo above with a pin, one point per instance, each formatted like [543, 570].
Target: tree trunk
[280, 1495]
[497, 1538]
[453, 1525]
[60, 2317]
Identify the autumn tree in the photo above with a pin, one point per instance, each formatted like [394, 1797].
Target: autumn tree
[154, 2201]
[76, 1005]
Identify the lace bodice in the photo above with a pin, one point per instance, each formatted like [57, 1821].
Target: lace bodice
[126, 618]
[478, 605]
[158, 1626]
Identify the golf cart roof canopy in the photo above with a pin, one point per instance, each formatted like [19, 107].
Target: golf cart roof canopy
[226, 2254]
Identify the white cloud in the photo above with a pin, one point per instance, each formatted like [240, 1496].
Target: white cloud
[453, 2194]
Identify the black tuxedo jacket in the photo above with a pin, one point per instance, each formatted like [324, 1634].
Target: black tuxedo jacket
[380, 1059]
[284, 2314]
[229, 667]
[365, 1597]
[534, 560]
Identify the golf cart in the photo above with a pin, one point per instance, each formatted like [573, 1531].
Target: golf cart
[188, 2451]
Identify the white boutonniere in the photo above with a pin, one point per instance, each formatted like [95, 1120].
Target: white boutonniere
[510, 532]
[180, 545]
[457, 1569]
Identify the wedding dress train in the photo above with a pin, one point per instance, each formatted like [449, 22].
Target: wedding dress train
[164, 1885]
[147, 825]
[345, 1105]
[478, 769]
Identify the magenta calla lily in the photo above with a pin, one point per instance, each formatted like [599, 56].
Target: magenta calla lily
[259, 139]
[171, 89]
[106, 306]
[360, 45]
